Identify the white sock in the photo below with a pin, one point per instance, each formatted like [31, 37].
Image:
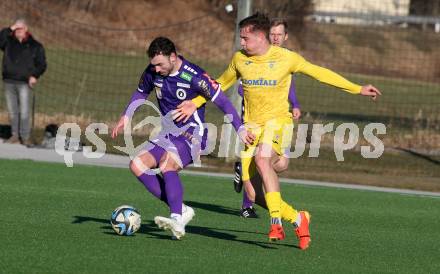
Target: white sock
[274, 221]
[184, 208]
[297, 222]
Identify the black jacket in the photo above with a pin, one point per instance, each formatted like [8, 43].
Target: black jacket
[21, 60]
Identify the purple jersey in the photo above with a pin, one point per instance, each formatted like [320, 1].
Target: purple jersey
[185, 84]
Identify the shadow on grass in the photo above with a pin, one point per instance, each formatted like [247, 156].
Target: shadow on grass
[149, 228]
[214, 208]
[221, 234]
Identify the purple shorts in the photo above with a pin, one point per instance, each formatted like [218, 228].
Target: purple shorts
[178, 145]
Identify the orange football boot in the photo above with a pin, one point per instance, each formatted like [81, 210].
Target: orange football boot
[302, 232]
[276, 232]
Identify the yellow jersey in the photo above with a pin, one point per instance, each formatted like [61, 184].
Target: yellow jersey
[266, 81]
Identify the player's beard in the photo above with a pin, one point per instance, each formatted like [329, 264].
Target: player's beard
[168, 71]
[165, 73]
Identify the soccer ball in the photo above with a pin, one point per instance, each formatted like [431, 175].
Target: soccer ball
[126, 220]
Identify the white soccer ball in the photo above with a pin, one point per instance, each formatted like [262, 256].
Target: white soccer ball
[126, 220]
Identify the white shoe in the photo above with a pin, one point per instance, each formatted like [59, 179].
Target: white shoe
[176, 227]
[187, 214]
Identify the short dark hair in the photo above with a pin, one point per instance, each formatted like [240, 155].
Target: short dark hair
[258, 21]
[279, 21]
[161, 45]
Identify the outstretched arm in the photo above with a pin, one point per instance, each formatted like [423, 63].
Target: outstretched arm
[371, 91]
[128, 112]
[141, 93]
[329, 77]
[332, 78]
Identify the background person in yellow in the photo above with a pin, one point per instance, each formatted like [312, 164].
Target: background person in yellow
[265, 70]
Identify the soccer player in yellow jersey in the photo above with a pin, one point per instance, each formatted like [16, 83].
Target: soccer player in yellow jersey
[265, 70]
[277, 36]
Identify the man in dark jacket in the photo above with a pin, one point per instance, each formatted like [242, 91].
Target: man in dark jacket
[24, 62]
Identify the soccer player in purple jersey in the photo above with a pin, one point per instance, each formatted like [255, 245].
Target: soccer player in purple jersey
[174, 79]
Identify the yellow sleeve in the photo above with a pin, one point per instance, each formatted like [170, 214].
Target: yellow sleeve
[229, 77]
[226, 80]
[323, 75]
[199, 101]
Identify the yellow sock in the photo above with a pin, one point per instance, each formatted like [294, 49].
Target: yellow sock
[273, 200]
[288, 213]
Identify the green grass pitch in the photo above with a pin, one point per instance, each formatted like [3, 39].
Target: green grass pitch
[56, 220]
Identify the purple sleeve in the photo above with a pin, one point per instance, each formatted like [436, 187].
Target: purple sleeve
[240, 89]
[143, 90]
[136, 96]
[223, 103]
[292, 94]
[210, 89]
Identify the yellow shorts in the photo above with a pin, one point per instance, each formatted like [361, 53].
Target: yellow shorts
[277, 133]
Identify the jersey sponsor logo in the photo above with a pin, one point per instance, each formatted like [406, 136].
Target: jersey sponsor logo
[186, 76]
[181, 93]
[183, 85]
[213, 82]
[188, 68]
[259, 82]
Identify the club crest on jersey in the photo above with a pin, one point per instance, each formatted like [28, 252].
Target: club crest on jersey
[181, 93]
[248, 63]
[271, 64]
